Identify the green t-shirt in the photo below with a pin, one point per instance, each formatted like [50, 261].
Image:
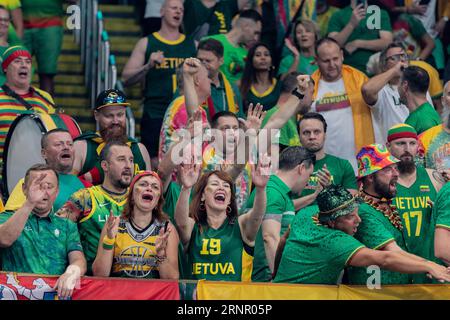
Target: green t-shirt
[42, 247]
[279, 207]
[219, 254]
[360, 57]
[160, 81]
[306, 65]
[233, 58]
[423, 118]
[314, 253]
[440, 217]
[170, 199]
[33, 9]
[218, 17]
[220, 101]
[288, 133]
[375, 231]
[341, 171]
[267, 99]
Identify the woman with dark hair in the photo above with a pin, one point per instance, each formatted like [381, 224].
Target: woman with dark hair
[259, 83]
[302, 52]
[141, 243]
[219, 244]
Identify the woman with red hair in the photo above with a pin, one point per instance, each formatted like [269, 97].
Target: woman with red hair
[141, 243]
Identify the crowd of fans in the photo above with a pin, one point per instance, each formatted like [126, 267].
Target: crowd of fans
[357, 174]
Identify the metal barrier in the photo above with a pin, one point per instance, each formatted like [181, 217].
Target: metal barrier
[100, 69]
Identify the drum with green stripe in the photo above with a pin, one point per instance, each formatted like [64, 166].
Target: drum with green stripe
[23, 143]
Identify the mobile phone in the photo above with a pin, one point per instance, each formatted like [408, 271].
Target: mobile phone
[166, 224]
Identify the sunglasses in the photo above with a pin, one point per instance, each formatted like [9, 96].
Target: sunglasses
[397, 57]
[114, 99]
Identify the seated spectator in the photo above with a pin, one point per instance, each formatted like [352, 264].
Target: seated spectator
[328, 169]
[225, 95]
[110, 114]
[137, 244]
[209, 17]
[350, 27]
[219, 243]
[244, 33]
[259, 83]
[302, 51]
[17, 94]
[337, 96]
[321, 245]
[436, 140]
[43, 36]
[58, 153]
[413, 90]
[91, 207]
[155, 60]
[34, 240]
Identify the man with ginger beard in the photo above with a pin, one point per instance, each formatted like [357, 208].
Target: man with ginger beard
[58, 153]
[91, 207]
[110, 113]
[417, 189]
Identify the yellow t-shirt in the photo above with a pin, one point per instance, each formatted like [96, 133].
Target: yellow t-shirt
[10, 4]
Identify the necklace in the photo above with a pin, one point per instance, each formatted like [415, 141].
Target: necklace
[389, 212]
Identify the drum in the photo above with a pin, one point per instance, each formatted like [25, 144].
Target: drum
[23, 143]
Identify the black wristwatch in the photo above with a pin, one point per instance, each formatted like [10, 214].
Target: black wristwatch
[297, 93]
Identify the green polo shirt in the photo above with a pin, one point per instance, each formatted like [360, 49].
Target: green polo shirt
[375, 231]
[288, 133]
[279, 207]
[43, 246]
[219, 98]
[341, 171]
[314, 253]
[423, 118]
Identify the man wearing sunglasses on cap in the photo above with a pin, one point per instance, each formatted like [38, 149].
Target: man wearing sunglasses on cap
[381, 91]
[110, 114]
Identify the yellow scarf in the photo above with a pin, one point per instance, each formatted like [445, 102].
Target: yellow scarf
[232, 107]
[362, 119]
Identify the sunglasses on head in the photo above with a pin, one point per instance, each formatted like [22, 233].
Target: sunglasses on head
[114, 99]
[397, 57]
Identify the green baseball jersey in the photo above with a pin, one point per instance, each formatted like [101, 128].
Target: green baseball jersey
[359, 58]
[94, 145]
[314, 253]
[279, 207]
[341, 174]
[288, 133]
[219, 254]
[233, 58]
[267, 99]
[375, 231]
[93, 206]
[423, 118]
[161, 81]
[415, 211]
[43, 245]
[218, 17]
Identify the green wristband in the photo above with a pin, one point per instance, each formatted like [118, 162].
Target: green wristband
[108, 246]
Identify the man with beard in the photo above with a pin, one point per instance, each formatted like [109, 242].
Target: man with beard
[417, 188]
[58, 153]
[328, 169]
[436, 140]
[91, 207]
[110, 114]
[381, 227]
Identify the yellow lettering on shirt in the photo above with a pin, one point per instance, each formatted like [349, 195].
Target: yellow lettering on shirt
[206, 268]
[170, 63]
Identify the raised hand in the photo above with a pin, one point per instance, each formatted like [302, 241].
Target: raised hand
[352, 46]
[255, 117]
[156, 58]
[37, 189]
[191, 66]
[261, 175]
[324, 176]
[112, 225]
[291, 47]
[189, 173]
[417, 9]
[303, 83]
[357, 15]
[161, 241]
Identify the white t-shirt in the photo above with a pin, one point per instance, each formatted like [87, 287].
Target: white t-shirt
[333, 104]
[388, 111]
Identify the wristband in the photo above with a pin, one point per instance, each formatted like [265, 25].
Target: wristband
[107, 246]
[108, 243]
[297, 93]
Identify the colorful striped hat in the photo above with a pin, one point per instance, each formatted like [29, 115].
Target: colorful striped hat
[373, 158]
[12, 53]
[401, 130]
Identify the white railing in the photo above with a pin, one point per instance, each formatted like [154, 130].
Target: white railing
[100, 71]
